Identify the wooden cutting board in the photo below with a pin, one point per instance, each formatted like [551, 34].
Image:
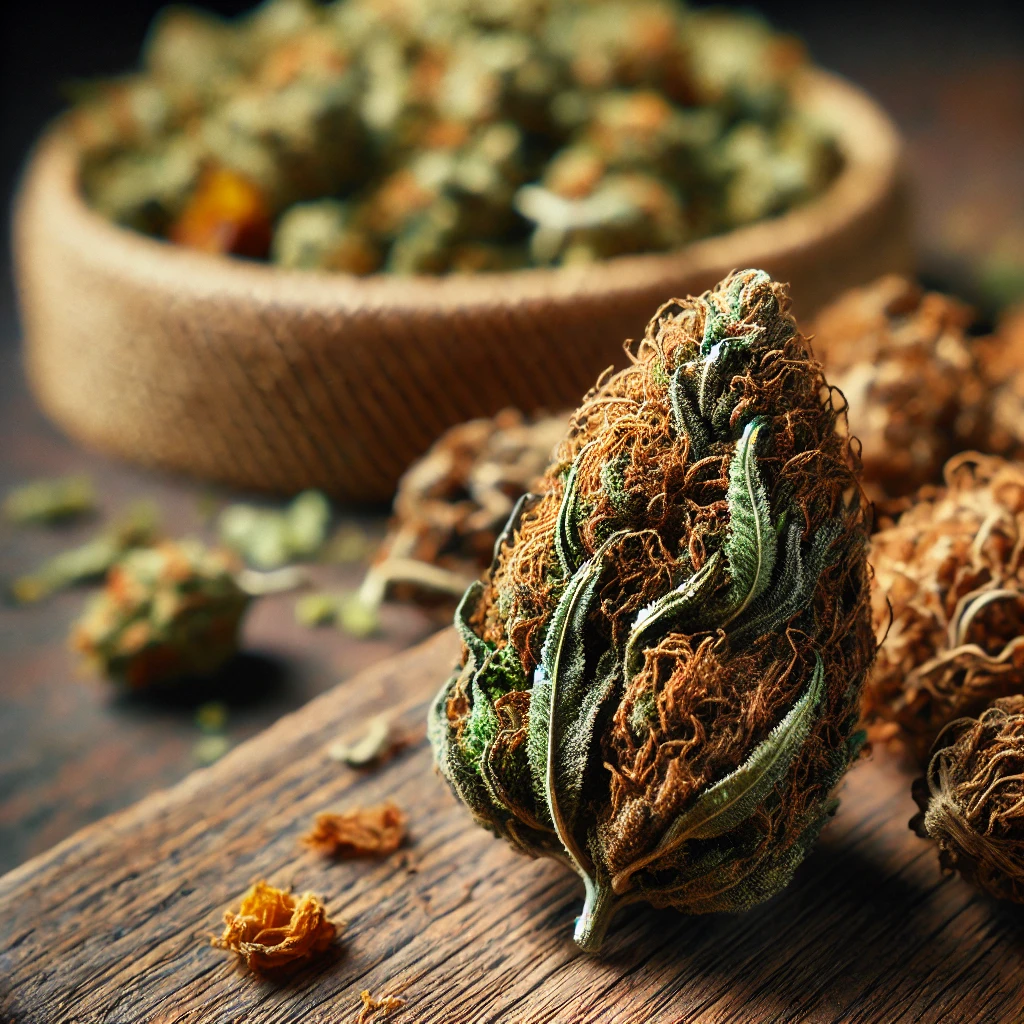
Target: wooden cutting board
[112, 926]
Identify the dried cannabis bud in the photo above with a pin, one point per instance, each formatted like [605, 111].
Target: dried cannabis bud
[362, 832]
[915, 389]
[661, 671]
[166, 612]
[1002, 359]
[452, 504]
[972, 801]
[272, 928]
[952, 570]
[436, 136]
[50, 501]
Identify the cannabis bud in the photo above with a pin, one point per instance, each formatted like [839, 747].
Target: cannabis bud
[972, 801]
[951, 575]
[166, 612]
[915, 385]
[661, 671]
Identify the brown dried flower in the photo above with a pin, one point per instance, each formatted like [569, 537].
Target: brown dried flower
[1002, 358]
[272, 928]
[952, 569]
[362, 832]
[913, 384]
[452, 503]
[972, 801]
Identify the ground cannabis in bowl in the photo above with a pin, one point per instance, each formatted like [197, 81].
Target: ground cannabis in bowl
[429, 136]
[972, 801]
[950, 573]
[661, 672]
[166, 612]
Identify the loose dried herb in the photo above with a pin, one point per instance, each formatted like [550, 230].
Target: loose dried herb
[972, 801]
[372, 743]
[435, 136]
[661, 671]
[272, 928]
[269, 538]
[912, 378]
[50, 501]
[452, 504]
[362, 832]
[166, 612]
[348, 611]
[91, 560]
[375, 1009]
[952, 572]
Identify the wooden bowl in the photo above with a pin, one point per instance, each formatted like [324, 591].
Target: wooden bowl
[279, 380]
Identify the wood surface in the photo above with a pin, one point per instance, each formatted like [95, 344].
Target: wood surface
[71, 750]
[112, 925]
[275, 379]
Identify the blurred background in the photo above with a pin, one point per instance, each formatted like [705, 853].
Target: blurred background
[952, 77]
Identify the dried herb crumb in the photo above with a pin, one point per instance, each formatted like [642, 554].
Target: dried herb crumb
[375, 1009]
[362, 832]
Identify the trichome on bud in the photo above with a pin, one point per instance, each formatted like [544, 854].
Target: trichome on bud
[661, 670]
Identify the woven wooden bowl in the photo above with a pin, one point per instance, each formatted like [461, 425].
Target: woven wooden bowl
[280, 380]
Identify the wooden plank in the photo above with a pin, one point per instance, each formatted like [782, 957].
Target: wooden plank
[112, 925]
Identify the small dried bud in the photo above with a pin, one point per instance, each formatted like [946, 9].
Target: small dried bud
[915, 389]
[661, 671]
[272, 928]
[952, 572]
[166, 612]
[362, 832]
[972, 801]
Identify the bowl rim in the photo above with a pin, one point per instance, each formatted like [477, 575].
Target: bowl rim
[868, 142]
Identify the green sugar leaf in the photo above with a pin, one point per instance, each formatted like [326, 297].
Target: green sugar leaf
[478, 649]
[751, 544]
[568, 545]
[686, 417]
[674, 611]
[565, 703]
[794, 585]
[730, 801]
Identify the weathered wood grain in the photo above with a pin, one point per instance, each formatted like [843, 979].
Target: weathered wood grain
[112, 925]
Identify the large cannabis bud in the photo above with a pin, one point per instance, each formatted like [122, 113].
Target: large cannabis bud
[972, 801]
[950, 577]
[661, 671]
